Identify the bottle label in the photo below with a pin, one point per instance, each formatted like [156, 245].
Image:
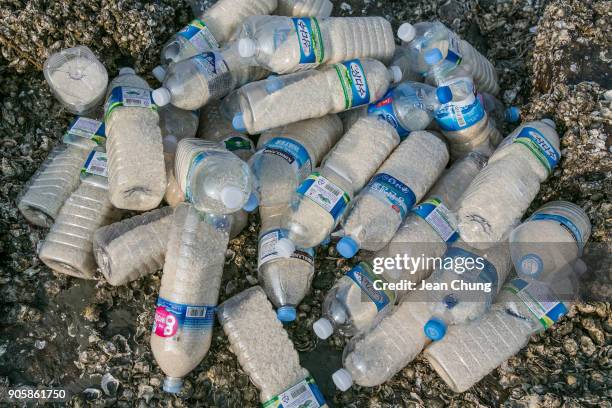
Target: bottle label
[487, 275]
[564, 222]
[310, 39]
[305, 394]
[326, 194]
[539, 299]
[383, 109]
[389, 190]
[453, 55]
[267, 248]
[199, 35]
[211, 64]
[363, 276]
[291, 151]
[439, 218]
[85, 128]
[96, 164]
[456, 116]
[237, 143]
[539, 146]
[171, 317]
[354, 83]
[128, 96]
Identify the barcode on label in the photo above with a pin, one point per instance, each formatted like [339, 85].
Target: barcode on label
[332, 189]
[135, 102]
[299, 391]
[439, 220]
[459, 114]
[97, 169]
[195, 311]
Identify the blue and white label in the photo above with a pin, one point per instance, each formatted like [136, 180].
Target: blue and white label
[384, 110]
[435, 213]
[539, 146]
[96, 164]
[325, 194]
[86, 128]
[453, 55]
[292, 152]
[457, 116]
[173, 318]
[199, 35]
[267, 248]
[539, 298]
[565, 222]
[128, 96]
[364, 277]
[305, 394]
[389, 190]
[311, 43]
[211, 64]
[354, 83]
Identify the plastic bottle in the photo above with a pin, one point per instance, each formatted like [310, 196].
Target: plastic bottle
[212, 28]
[215, 127]
[325, 195]
[304, 8]
[269, 358]
[403, 59]
[433, 43]
[553, 237]
[500, 194]
[497, 112]
[77, 79]
[375, 355]
[189, 290]
[213, 179]
[401, 181]
[134, 143]
[284, 45]
[58, 176]
[281, 100]
[286, 156]
[68, 248]
[133, 248]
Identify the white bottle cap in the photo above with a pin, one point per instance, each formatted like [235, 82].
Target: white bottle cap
[159, 73]
[161, 96]
[550, 123]
[126, 71]
[232, 197]
[285, 247]
[406, 32]
[246, 47]
[342, 379]
[396, 73]
[169, 143]
[323, 328]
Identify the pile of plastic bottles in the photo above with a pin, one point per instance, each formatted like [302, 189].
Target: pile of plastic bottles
[392, 150]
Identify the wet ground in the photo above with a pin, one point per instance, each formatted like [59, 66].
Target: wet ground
[553, 59]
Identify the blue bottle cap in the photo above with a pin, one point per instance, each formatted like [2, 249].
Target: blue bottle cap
[238, 122]
[273, 84]
[444, 94]
[433, 56]
[347, 247]
[252, 203]
[435, 329]
[513, 114]
[286, 314]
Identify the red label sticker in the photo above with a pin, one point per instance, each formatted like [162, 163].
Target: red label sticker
[166, 323]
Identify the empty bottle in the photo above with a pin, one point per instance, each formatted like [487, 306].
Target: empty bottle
[215, 127]
[213, 28]
[286, 281]
[77, 79]
[383, 204]
[403, 59]
[134, 142]
[189, 291]
[212, 178]
[284, 45]
[324, 196]
[432, 43]
[500, 194]
[553, 237]
[269, 358]
[287, 155]
[133, 248]
[58, 176]
[304, 8]
[281, 100]
[68, 247]
[375, 355]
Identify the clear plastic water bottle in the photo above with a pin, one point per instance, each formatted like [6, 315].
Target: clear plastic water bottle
[269, 359]
[213, 179]
[281, 100]
[284, 45]
[77, 79]
[385, 202]
[189, 291]
[134, 143]
[286, 280]
[214, 126]
[68, 248]
[212, 28]
[432, 43]
[287, 155]
[58, 176]
[304, 8]
[403, 59]
[324, 196]
[551, 238]
[498, 113]
[499, 196]
[133, 248]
